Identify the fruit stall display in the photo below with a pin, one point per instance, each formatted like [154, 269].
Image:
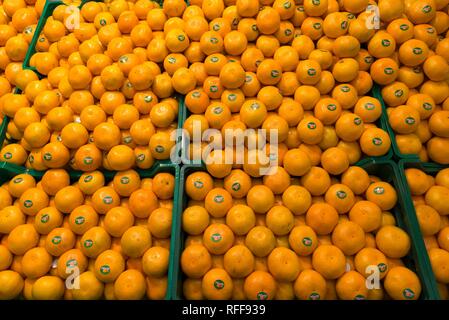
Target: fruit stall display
[92, 95]
[303, 238]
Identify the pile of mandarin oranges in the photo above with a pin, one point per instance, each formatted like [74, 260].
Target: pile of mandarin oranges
[101, 93]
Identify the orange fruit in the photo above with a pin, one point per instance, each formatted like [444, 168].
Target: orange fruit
[435, 146]
[310, 130]
[11, 283]
[429, 220]
[310, 285]
[106, 135]
[142, 202]
[130, 285]
[280, 220]
[59, 240]
[36, 135]
[382, 45]
[367, 215]
[217, 284]
[368, 257]
[308, 72]
[297, 162]
[260, 285]
[232, 75]
[118, 220]
[340, 197]
[95, 291]
[238, 261]
[375, 142]
[47, 219]
[345, 70]
[351, 286]
[297, 199]
[356, 179]
[269, 72]
[438, 125]
[108, 266]
[316, 181]
[417, 181]
[240, 219]
[13, 153]
[141, 76]
[303, 240]
[349, 237]
[253, 113]
[384, 71]
[218, 238]
[82, 219]
[404, 119]
[68, 198]
[402, 284]
[218, 201]
[198, 185]
[260, 198]
[32, 201]
[413, 52]
[70, 259]
[48, 288]
[36, 263]
[22, 238]
[327, 110]
[135, 241]
[267, 46]
[368, 109]
[335, 161]
[55, 155]
[260, 240]
[195, 220]
[393, 241]
[160, 222]
[268, 20]
[195, 261]
[211, 42]
[91, 182]
[329, 261]
[20, 183]
[315, 8]
[279, 181]
[322, 218]
[155, 262]
[283, 264]
[235, 43]
[382, 194]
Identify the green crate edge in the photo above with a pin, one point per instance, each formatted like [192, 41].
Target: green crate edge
[8, 170]
[428, 168]
[396, 152]
[404, 219]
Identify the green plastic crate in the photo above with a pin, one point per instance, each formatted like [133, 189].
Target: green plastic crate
[178, 146]
[388, 171]
[382, 123]
[8, 171]
[430, 169]
[49, 7]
